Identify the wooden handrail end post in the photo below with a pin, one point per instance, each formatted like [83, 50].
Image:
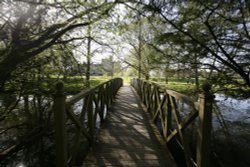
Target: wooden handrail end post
[205, 127]
[60, 121]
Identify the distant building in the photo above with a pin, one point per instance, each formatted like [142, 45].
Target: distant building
[106, 67]
[95, 69]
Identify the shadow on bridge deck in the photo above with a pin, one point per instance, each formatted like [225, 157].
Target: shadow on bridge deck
[127, 138]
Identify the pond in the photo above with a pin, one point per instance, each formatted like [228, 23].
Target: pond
[232, 109]
[231, 131]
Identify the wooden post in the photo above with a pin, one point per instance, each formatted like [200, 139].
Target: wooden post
[101, 96]
[169, 117]
[205, 126]
[91, 121]
[60, 131]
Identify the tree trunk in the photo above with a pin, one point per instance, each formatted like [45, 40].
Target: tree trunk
[178, 71]
[139, 49]
[88, 57]
[147, 77]
[166, 74]
[196, 72]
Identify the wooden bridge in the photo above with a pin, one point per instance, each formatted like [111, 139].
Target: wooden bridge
[116, 127]
[127, 137]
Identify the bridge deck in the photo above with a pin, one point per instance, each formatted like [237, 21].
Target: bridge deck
[128, 138]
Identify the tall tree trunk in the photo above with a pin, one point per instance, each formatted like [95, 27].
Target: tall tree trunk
[166, 74]
[112, 68]
[28, 115]
[139, 49]
[196, 72]
[88, 57]
[178, 71]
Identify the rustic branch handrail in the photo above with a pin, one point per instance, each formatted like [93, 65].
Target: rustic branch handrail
[96, 102]
[162, 103]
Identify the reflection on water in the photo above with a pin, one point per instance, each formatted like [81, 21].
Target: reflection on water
[231, 131]
[77, 108]
[234, 109]
[23, 122]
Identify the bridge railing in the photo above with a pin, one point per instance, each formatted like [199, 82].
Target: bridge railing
[75, 127]
[177, 115]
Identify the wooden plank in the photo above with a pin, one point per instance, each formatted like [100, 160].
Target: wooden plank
[127, 138]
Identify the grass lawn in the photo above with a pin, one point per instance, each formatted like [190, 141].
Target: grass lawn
[182, 87]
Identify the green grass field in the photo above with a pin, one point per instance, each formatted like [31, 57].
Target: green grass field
[75, 84]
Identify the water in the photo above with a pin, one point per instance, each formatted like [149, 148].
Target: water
[231, 131]
[232, 109]
[77, 109]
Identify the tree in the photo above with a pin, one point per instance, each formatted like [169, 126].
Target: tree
[223, 34]
[137, 35]
[28, 28]
[36, 36]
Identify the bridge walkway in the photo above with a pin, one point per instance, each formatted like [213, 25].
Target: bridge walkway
[128, 138]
